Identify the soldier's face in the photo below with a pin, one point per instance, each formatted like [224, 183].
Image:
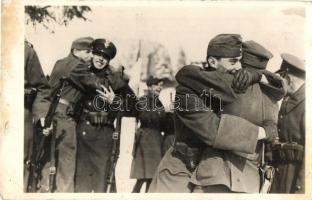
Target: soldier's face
[224, 64]
[100, 61]
[85, 55]
[229, 64]
[157, 88]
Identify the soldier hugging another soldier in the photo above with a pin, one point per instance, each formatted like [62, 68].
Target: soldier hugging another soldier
[230, 134]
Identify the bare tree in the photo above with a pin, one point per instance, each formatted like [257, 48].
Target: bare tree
[62, 15]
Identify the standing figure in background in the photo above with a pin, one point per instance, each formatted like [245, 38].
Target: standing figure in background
[35, 84]
[147, 151]
[96, 119]
[288, 155]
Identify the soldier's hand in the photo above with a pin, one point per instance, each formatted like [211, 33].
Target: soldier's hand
[107, 94]
[45, 131]
[271, 131]
[275, 80]
[243, 78]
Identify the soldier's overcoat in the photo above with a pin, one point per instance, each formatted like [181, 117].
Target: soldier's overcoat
[147, 149]
[230, 142]
[291, 123]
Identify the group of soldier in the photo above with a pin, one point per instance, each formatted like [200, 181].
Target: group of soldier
[230, 136]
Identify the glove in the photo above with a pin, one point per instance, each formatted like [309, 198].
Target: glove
[271, 131]
[245, 77]
[274, 79]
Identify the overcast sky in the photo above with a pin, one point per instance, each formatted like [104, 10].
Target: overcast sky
[280, 29]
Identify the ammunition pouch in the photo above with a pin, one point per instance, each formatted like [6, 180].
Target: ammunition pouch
[97, 118]
[287, 152]
[29, 97]
[190, 156]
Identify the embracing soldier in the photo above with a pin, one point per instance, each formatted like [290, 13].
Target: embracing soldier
[216, 148]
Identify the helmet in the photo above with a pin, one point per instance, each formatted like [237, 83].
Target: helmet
[104, 47]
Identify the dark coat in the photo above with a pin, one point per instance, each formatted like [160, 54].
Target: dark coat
[94, 143]
[82, 81]
[33, 78]
[223, 137]
[291, 123]
[148, 141]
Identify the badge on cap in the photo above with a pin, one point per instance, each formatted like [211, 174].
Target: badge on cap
[106, 44]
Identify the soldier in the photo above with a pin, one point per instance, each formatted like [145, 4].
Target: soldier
[148, 138]
[288, 155]
[80, 51]
[96, 120]
[76, 67]
[224, 149]
[35, 84]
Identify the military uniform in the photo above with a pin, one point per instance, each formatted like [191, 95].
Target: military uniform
[95, 127]
[148, 137]
[81, 81]
[94, 147]
[147, 151]
[289, 157]
[63, 66]
[33, 79]
[229, 153]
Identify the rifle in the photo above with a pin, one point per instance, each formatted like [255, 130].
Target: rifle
[52, 169]
[110, 185]
[35, 165]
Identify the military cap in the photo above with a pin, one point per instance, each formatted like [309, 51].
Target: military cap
[83, 43]
[104, 47]
[255, 55]
[292, 65]
[153, 81]
[225, 45]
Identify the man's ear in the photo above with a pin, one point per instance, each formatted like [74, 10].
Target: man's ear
[74, 52]
[212, 62]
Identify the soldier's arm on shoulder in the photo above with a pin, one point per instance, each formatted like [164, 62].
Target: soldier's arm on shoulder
[83, 78]
[273, 85]
[212, 82]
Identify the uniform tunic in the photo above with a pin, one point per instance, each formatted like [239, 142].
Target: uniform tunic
[34, 78]
[81, 80]
[147, 150]
[291, 123]
[219, 136]
[94, 145]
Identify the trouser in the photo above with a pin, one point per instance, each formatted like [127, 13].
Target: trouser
[28, 143]
[65, 155]
[139, 183]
